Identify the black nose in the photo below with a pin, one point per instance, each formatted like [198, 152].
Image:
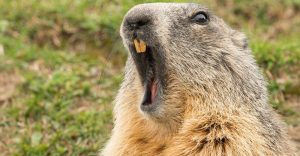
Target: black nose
[137, 22]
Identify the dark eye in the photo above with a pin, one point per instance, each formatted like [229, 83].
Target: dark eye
[200, 18]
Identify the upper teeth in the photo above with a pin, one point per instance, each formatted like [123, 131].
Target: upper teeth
[140, 45]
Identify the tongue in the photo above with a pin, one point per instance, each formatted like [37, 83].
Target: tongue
[153, 90]
[150, 93]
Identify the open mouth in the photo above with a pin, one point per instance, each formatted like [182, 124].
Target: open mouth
[150, 92]
[146, 64]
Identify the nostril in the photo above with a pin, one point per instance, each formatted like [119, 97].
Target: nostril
[142, 22]
[137, 23]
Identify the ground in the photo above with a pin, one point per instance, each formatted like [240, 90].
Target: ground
[61, 64]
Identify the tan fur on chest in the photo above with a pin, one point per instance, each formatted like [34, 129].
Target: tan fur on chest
[217, 133]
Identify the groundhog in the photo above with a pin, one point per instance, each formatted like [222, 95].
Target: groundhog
[191, 87]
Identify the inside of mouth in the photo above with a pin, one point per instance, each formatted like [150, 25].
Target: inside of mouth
[151, 83]
[150, 92]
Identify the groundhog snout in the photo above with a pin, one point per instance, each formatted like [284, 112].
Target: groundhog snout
[136, 22]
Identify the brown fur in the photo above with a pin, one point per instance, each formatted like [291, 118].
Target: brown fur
[220, 112]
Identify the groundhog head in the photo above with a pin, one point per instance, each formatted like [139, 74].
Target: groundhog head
[178, 52]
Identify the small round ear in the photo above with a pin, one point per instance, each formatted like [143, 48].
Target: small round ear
[239, 39]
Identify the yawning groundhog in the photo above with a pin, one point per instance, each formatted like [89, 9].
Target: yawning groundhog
[191, 87]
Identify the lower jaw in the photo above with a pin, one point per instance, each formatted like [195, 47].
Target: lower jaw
[149, 108]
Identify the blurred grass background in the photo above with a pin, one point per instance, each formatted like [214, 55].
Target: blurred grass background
[61, 64]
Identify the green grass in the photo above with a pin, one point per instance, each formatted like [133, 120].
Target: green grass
[63, 107]
[63, 59]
